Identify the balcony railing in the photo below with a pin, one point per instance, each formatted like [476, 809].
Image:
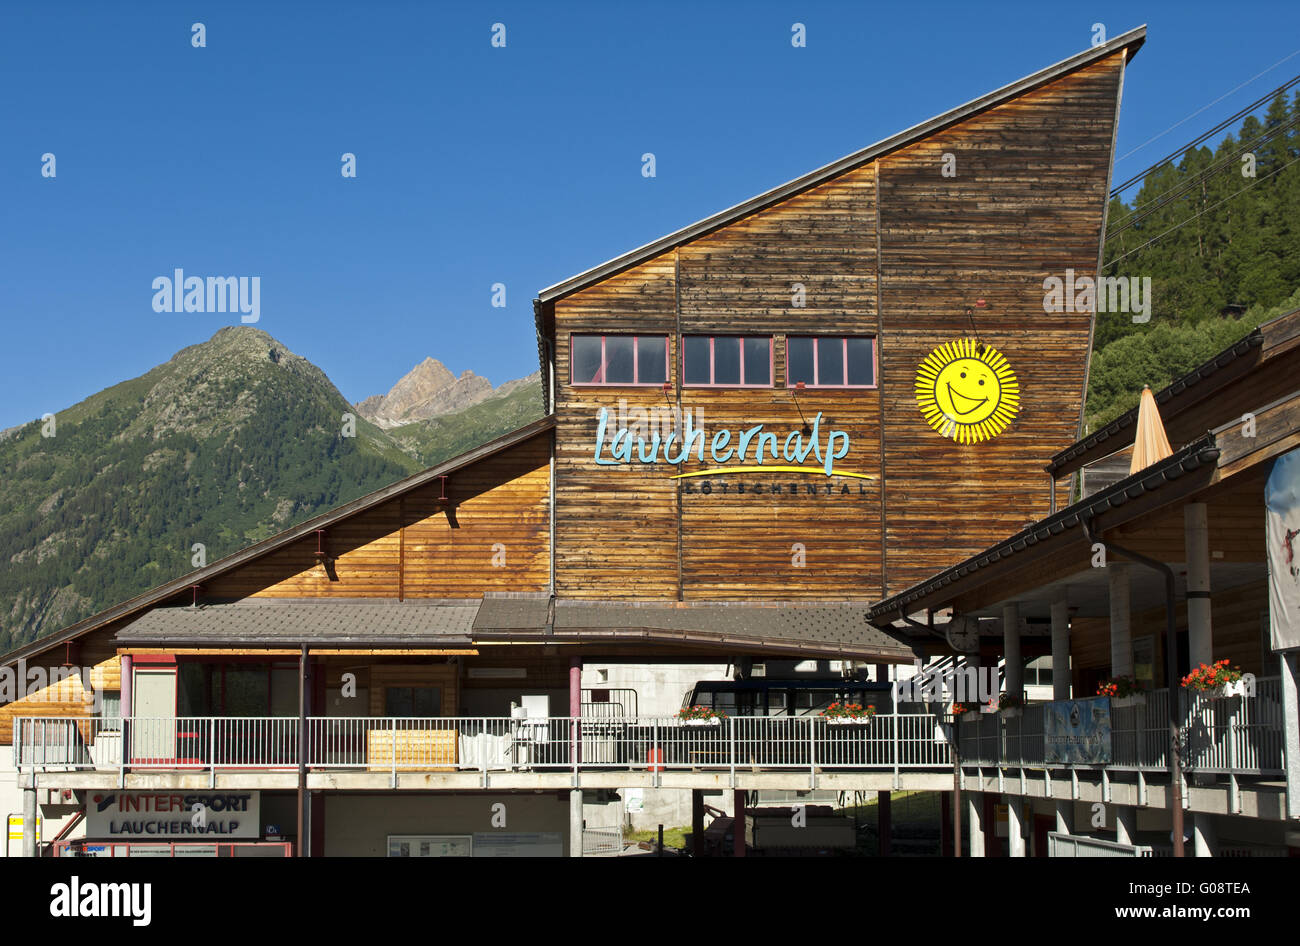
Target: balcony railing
[388, 744]
[1241, 735]
[1237, 736]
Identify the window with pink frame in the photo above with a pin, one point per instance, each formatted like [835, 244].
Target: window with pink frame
[727, 361]
[618, 359]
[823, 361]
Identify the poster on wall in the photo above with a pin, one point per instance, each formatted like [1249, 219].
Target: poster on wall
[1077, 731]
[182, 815]
[1282, 526]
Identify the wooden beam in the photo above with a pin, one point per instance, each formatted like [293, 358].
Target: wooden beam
[317, 651]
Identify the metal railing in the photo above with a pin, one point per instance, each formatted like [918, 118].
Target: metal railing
[401, 744]
[1073, 845]
[604, 840]
[1237, 735]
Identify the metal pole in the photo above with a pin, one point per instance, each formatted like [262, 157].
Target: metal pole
[302, 759]
[126, 711]
[956, 789]
[29, 815]
[738, 824]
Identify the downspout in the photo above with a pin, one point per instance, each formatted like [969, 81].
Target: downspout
[1171, 674]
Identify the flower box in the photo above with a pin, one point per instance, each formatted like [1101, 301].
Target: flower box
[703, 722]
[1134, 699]
[1011, 712]
[971, 715]
[1226, 691]
[847, 720]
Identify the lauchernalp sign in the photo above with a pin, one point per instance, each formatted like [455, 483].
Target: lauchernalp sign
[122, 815]
[756, 444]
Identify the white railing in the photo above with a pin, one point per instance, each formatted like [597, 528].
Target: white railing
[1238, 735]
[1073, 845]
[398, 744]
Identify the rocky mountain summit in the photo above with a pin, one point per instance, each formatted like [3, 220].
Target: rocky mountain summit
[430, 390]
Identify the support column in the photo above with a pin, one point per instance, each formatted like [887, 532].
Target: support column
[1060, 649]
[884, 822]
[975, 814]
[1290, 685]
[1016, 825]
[575, 822]
[127, 700]
[575, 747]
[575, 706]
[1204, 840]
[1121, 633]
[1200, 634]
[1064, 815]
[30, 815]
[1125, 824]
[697, 822]
[303, 839]
[738, 824]
[945, 824]
[992, 846]
[1015, 666]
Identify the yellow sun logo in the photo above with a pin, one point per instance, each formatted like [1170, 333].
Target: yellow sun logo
[967, 391]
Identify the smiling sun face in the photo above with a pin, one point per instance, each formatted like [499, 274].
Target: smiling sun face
[966, 394]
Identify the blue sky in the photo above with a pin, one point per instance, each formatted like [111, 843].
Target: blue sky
[475, 165]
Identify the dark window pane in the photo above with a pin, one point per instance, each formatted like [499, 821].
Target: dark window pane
[618, 359]
[427, 701]
[652, 359]
[586, 359]
[758, 361]
[697, 360]
[726, 361]
[398, 701]
[799, 361]
[862, 369]
[830, 361]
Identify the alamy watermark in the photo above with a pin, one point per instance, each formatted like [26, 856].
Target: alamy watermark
[959, 685]
[40, 685]
[181, 293]
[1129, 294]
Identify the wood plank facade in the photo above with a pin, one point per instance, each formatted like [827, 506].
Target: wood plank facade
[895, 250]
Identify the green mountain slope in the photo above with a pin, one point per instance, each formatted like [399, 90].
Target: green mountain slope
[230, 441]
[1218, 234]
[452, 434]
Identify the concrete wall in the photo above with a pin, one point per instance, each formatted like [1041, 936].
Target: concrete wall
[660, 691]
[358, 825]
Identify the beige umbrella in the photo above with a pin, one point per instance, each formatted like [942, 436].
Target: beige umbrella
[1150, 443]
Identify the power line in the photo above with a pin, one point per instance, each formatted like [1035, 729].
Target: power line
[1142, 211]
[1267, 97]
[1179, 226]
[1209, 105]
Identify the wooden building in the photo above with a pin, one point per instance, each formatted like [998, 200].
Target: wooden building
[758, 427]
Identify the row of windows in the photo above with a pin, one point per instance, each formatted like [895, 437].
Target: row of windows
[731, 361]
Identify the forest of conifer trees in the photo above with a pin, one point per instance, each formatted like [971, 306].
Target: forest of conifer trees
[1218, 232]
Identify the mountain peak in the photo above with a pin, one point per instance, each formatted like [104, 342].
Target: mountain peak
[428, 390]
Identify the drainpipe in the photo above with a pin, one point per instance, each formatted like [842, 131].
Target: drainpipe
[1171, 673]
